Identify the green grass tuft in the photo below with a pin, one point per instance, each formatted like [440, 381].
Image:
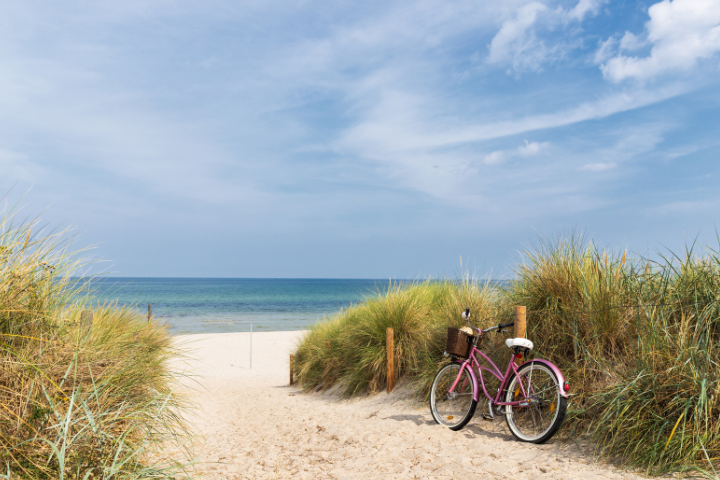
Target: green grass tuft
[78, 401]
[350, 347]
[638, 340]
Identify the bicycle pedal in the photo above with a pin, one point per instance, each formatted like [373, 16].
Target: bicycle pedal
[487, 417]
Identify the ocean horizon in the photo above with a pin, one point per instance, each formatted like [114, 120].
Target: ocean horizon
[216, 305]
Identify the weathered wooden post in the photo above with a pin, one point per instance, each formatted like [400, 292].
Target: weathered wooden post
[520, 322]
[149, 312]
[520, 326]
[291, 368]
[86, 318]
[390, 345]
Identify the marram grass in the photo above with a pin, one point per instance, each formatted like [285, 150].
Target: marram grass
[638, 340]
[78, 401]
[350, 347]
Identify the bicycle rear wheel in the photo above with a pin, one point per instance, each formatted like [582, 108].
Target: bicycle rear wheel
[541, 417]
[453, 409]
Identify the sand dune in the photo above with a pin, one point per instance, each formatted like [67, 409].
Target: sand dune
[252, 425]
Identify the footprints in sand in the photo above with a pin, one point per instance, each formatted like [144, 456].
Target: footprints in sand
[255, 430]
[255, 427]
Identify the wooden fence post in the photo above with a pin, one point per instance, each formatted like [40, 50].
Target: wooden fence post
[149, 312]
[86, 317]
[390, 345]
[291, 368]
[520, 322]
[520, 326]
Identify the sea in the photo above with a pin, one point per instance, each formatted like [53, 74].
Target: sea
[217, 305]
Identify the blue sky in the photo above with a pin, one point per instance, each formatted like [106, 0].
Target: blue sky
[359, 139]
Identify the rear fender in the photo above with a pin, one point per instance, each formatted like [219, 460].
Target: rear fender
[555, 370]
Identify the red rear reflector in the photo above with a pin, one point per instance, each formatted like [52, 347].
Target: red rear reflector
[566, 387]
[518, 356]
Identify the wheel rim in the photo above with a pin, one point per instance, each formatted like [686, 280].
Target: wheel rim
[450, 409]
[534, 421]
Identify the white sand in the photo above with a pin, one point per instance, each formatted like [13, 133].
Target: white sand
[253, 425]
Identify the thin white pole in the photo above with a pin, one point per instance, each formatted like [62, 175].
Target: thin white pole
[251, 346]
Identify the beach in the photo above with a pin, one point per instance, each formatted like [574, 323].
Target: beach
[250, 424]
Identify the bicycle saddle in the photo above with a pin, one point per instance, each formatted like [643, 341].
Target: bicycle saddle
[519, 342]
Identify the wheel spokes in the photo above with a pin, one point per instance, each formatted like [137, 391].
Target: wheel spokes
[536, 391]
[452, 407]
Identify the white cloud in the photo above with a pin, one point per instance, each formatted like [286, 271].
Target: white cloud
[605, 50]
[598, 167]
[527, 150]
[494, 158]
[402, 139]
[583, 8]
[608, 105]
[397, 121]
[531, 148]
[681, 33]
[517, 43]
[630, 42]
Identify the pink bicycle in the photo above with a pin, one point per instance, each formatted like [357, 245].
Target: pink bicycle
[532, 396]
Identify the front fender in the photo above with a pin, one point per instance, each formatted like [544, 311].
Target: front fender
[468, 366]
[554, 368]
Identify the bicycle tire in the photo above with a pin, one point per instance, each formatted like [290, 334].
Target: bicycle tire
[541, 419]
[453, 410]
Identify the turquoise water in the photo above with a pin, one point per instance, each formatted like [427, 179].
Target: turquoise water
[216, 305]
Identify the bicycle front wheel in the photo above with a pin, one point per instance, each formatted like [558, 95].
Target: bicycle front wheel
[542, 410]
[455, 408]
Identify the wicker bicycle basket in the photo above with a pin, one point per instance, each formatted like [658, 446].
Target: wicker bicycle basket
[459, 343]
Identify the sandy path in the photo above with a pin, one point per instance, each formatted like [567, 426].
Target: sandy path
[252, 425]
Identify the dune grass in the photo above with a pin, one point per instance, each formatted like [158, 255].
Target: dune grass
[78, 400]
[350, 347]
[637, 340]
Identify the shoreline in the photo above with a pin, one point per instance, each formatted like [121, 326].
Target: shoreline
[191, 334]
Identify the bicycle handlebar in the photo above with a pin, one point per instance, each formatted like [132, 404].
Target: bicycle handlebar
[497, 327]
[500, 326]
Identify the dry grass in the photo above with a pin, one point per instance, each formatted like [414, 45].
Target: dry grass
[350, 347]
[77, 400]
[637, 339]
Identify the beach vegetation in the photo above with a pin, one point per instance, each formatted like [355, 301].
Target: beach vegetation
[350, 347]
[636, 338]
[79, 399]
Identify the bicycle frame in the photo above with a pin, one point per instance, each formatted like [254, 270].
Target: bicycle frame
[494, 370]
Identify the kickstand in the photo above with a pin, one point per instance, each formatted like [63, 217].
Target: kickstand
[489, 417]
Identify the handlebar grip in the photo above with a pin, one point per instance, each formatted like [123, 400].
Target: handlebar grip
[503, 325]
